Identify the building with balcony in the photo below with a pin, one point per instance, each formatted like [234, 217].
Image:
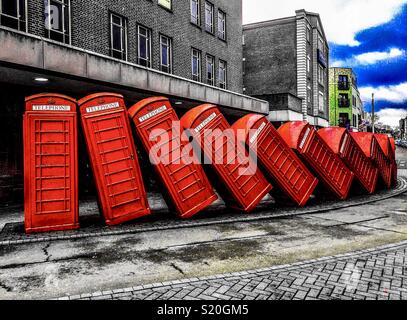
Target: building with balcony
[286, 63]
[345, 104]
[187, 50]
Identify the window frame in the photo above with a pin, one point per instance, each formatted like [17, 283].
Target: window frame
[209, 4]
[223, 84]
[169, 54]
[198, 17]
[123, 36]
[221, 12]
[163, 6]
[66, 34]
[149, 60]
[213, 80]
[196, 77]
[19, 21]
[321, 94]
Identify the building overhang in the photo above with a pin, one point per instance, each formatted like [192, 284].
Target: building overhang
[285, 115]
[26, 55]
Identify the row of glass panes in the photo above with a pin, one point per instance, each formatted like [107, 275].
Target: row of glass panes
[13, 14]
[196, 57]
[209, 18]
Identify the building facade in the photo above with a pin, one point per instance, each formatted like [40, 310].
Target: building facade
[345, 104]
[187, 50]
[403, 128]
[286, 63]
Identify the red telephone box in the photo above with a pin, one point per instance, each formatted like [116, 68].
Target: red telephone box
[239, 188]
[328, 167]
[372, 149]
[50, 163]
[384, 143]
[277, 159]
[342, 143]
[113, 158]
[185, 181]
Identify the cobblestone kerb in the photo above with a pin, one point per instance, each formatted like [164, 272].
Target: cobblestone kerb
[21, 238]
[313, 279]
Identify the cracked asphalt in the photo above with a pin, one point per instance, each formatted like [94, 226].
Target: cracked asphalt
[75, 267]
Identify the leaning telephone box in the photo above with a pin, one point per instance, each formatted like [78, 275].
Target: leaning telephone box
[279, 162]
[372, 149]
[384, 143]
[239, 181]
[394, 171]
[184, 181]
[50, 163]
[327, 166]
[342, 143]
[113, 158]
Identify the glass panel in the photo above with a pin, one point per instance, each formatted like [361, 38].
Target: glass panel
[9, 7]
[116, 20]
[117, 43]
[143, 47]
[9, 22]
[56, 20]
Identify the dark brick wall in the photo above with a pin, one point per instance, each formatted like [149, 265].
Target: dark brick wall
[91, 31]
[274, 49]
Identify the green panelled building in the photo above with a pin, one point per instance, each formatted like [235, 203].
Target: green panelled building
[345, 104]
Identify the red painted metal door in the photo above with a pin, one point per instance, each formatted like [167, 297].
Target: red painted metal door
[278, 160]
[241, 189]
[50, 163]
[113, 158]
[328, 167]
[185, 182]
[342, 143]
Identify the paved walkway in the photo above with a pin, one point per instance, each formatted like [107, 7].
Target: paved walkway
[379, 273]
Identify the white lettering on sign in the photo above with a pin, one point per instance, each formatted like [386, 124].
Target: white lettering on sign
[152, 113]
[108, 106]
[51, 108]
[257, 133]
[205, 122]
[344, 144]
[305, 138]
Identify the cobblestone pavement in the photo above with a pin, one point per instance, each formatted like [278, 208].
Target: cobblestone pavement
[376, 274]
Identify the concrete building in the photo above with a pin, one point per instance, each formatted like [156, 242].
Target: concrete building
[403, 128]
[286, 63]
[345, 104]
[188, 50]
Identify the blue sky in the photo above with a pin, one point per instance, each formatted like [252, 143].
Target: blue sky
[368, 35]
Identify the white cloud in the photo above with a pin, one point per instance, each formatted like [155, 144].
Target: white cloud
[369, 58]
[342, 19]
[391, 117]
[393, 93]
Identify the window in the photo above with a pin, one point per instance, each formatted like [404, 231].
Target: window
[343, 100]
[210, 70]
[222, 74]
[165, 54]
[343, 82]
[308, 33]
[321, 75]
[209, 17]
[309, 92]
[321, 44]
[13, 14]
[57, 22]
[308, 63]
[167, 4]
[221, 25]
[118, 37]
[144, 46]
[196, 65]
[196, 12]
[321, 101]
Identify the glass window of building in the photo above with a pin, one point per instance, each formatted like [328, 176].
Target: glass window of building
[344, 100]
[13, 14]
[196, 12]
[321, 103]
[343, 82]
[196, 65]
[57, 21]
[308, 33]
[144, 46]
[321, 75]
[165, 54]
[167, 4]
[210, 70]
[309, 92]
[222, 74]
[308, 63]
[209, 17]
[118, 37]
[221, 25]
